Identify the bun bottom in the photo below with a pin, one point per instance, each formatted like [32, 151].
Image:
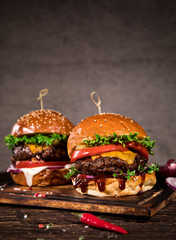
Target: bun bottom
[46, 177]
[132, 187]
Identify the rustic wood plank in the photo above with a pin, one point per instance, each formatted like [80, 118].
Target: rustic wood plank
[65, 197]
[13, 224]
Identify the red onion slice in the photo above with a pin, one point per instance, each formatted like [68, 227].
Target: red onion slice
[170, 161]
[169, 170]
[171, 182]
[55, 167]
[14, 170]
[17, 170]
[85, 176]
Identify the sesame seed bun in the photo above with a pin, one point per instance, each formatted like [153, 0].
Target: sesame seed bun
[104, 124]
[132, 186]
[47, 177]
[42, 121]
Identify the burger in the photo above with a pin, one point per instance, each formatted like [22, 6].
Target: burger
[110, 155]
[38, 141]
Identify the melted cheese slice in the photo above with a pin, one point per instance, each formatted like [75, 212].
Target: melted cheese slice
[36, 148]
[127, 156]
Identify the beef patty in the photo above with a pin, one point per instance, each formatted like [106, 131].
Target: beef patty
[107, 165]
[51, 153]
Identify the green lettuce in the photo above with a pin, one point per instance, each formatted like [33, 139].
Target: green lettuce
[72, 172]
[146, 142]
[142, 169]
[39, 138]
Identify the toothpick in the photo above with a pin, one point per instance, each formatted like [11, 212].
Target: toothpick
[98, 103]
[42, 93]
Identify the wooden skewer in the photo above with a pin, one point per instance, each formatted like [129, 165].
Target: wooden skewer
[42, 93]
[98, 102]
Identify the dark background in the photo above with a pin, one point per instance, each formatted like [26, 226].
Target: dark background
[124, 50]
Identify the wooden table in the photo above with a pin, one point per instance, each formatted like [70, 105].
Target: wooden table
[21, 222]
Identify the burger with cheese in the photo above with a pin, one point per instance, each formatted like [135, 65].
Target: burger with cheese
[110, 153]
[39, 148]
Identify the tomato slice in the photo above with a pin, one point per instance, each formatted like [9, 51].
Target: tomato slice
[138, 147]
[91, 151]
[30, 164]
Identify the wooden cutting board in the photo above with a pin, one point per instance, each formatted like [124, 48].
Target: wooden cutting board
[65, 197]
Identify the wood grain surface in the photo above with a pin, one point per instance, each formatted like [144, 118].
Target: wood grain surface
[65, 197]
[21, 222]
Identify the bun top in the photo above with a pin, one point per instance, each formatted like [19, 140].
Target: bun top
[104, 124]
[42, 121]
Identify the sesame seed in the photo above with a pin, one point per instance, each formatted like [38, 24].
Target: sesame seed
[95, 120]
[123, 129]
[131, 120]
[105, 120]
[101, 125]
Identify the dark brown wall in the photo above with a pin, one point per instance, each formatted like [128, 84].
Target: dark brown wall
[125, 50]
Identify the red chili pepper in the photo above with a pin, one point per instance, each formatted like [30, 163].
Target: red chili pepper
[94, 221]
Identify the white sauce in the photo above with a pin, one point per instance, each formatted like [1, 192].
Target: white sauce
[30, 172]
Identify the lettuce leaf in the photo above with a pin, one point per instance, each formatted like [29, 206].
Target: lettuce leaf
[39, 138]
[141, 169]
[72, 172]
[146, 142]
